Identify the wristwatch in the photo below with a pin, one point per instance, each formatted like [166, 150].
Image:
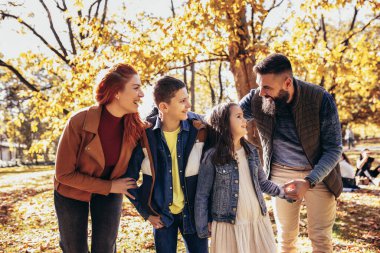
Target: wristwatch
[312, 184]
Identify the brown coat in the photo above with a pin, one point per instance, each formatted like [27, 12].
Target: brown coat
[79, 178]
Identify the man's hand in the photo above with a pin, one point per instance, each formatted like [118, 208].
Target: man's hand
[156, 221]
[297, 188]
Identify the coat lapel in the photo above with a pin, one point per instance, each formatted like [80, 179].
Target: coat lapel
[94, 147]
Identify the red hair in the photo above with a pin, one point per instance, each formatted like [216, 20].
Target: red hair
[113, 82]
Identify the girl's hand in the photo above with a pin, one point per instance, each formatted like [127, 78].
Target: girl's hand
[209, 228]
[156, 221]
[122, 185]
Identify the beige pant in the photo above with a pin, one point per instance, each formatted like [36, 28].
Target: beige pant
[320, 206]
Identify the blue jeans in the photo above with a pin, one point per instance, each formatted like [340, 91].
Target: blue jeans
[73, 222]
[165, 238]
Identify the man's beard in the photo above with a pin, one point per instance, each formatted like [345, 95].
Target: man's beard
[270, 104]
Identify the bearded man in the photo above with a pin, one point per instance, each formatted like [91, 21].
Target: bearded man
[300, 134]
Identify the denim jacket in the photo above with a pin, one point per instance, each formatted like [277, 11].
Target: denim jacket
[219, 186]
[155, 194]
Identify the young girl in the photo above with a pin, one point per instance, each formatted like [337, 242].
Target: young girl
[231, 180]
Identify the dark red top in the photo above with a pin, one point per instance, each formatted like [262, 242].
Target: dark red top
[110, 131]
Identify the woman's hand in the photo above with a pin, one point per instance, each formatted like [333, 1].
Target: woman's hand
[155, 221]
[209, 228]
[122, 185]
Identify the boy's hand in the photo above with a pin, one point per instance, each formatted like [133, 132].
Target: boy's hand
[156, 221]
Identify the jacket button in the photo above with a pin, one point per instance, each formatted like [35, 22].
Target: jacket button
[180, 171]
[170, 204]
[236, 181]
[179, 155]
[234, 209]
[184, 215]
[232, 221]
[171, 187]
[183, 186]
[236, 167]
[170, 171]
[236, 195]
[224, 171]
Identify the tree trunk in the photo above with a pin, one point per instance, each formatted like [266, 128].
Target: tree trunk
[192, 87]
[185, 73]
[242, 62]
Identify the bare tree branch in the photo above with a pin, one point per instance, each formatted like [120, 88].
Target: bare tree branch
[200, 61]
[19, 75]
[59, 7]
[71, 36]
[323, 27]
[97, 9]
[69, 26]
[274, 5]
[172, 8]
[90, 9]
[4, 15]
[213, 99]
[53, 29]
[253, 23]
[345, 42]
[104, 12]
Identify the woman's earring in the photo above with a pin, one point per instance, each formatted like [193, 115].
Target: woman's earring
[117, 97]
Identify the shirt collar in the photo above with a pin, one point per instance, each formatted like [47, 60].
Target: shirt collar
[184, 124]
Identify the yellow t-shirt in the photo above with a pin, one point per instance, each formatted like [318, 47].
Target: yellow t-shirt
[178, 197]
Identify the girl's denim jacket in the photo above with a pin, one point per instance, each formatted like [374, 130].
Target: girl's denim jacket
[218, 190]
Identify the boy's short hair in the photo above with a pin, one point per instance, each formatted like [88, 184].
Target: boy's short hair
[165, 88]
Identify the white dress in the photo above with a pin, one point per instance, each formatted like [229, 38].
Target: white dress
[252, 232]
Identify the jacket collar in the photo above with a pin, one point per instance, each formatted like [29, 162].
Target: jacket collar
[297, 93]
[184, 124]
[91, 122]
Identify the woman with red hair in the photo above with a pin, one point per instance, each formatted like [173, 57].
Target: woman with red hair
[92, 156]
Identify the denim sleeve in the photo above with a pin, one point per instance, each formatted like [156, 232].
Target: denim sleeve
[266, 185]
[245, 104]
[133, 171]
[204, 188]
[331, 140]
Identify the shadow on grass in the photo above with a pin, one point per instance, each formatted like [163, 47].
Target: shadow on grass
[358, 222]
[24, 169]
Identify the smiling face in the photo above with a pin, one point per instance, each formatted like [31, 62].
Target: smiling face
[129, 98]
[274, 90]
[238, 123]
[177, 107]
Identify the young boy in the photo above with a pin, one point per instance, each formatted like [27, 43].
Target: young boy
[169, 157]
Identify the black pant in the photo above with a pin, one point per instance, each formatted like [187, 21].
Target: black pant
[166, 238]
[73, 222]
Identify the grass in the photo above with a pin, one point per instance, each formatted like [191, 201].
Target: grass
[28, 222]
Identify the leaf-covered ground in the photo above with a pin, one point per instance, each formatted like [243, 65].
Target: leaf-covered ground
[28, 222]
